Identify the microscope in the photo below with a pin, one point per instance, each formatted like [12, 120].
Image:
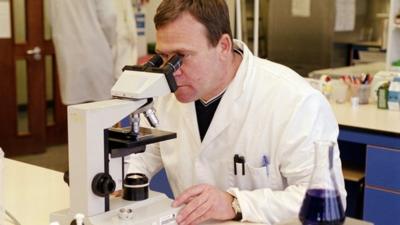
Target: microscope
[97, 151]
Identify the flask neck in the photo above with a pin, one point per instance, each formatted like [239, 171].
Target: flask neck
[323, 158]
[323, 176]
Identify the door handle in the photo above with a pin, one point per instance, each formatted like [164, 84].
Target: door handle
[36, 52]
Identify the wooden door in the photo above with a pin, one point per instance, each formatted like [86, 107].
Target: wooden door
[31, 115]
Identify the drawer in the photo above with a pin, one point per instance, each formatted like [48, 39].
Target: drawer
[381, 207]
[383, 167]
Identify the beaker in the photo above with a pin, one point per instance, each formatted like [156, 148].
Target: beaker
[322, 204]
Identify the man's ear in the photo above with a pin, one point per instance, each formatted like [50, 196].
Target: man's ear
[224, 46]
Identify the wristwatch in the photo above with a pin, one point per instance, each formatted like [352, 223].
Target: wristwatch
[236, 208]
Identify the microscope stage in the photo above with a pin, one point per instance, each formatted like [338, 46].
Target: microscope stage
[122, 142]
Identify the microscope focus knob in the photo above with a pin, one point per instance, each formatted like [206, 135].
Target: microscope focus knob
[103, 184]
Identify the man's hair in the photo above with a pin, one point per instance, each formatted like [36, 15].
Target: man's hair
[213, 14]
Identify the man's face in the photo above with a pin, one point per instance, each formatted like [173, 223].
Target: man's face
[199, 74]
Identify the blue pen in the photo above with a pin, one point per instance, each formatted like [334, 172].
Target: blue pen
[266, 163]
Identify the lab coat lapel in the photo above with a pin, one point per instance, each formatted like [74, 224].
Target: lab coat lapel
[223, 117]
[190, 119]
[228, 108]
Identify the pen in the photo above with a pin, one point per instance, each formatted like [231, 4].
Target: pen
[265, 163]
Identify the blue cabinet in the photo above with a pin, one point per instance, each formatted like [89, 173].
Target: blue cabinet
[383, 168]
[382, 173]
[381, 207]
[382, 186]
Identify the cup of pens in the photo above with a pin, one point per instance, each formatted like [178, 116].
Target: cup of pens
[363, 93]
[360, 87]
[340, 91]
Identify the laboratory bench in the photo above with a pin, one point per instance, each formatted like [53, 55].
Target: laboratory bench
[371, 68]
[31, 193]
[369, 140]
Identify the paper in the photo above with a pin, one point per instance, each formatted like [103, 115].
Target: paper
[5, 20]
[345, 15]
[301, 8]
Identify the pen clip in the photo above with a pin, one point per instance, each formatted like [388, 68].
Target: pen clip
[241, 160]
[235, 160]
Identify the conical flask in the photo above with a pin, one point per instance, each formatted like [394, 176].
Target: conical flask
[322, 204]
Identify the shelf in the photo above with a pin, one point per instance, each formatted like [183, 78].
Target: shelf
[353, 174]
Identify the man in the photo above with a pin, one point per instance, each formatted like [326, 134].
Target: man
[245, 125]
[93, 41]
[83, 35]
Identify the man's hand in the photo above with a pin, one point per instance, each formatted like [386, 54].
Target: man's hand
[203, 202]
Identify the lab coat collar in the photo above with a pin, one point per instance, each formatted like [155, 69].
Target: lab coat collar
[230, 102]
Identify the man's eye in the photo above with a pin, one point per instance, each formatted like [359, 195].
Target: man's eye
[183, 55]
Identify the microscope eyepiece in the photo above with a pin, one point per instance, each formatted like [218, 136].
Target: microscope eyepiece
[169, 68]
[173, 63]
[155, 61]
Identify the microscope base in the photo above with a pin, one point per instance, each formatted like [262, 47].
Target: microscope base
[156, 210]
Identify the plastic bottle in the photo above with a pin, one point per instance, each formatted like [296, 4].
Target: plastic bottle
[326, 86]
[394, 94]
[382, 96]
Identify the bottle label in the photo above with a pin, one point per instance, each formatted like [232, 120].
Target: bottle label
[393, 96]
[382, 98]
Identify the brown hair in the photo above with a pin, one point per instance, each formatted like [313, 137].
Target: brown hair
[213, 14]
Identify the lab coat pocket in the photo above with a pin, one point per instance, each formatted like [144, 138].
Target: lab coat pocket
[261, 177]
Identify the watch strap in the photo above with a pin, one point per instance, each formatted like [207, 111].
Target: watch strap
[236, 208]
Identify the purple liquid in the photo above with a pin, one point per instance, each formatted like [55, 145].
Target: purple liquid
[322, 207]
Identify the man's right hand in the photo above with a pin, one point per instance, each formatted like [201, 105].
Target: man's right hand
[203, 202]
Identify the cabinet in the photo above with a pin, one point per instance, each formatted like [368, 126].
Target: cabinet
[374, 135]
[302, 43]
[382, 190]
[383, 208]
[382, 171]
[393, 51]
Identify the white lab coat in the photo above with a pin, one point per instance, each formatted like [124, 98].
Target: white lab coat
[93, 40]
[125, 49]
[268, 110]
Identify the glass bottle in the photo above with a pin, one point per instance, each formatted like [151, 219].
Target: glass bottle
[322, 204]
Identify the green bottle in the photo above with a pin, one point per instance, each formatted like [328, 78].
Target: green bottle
[383, 93]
